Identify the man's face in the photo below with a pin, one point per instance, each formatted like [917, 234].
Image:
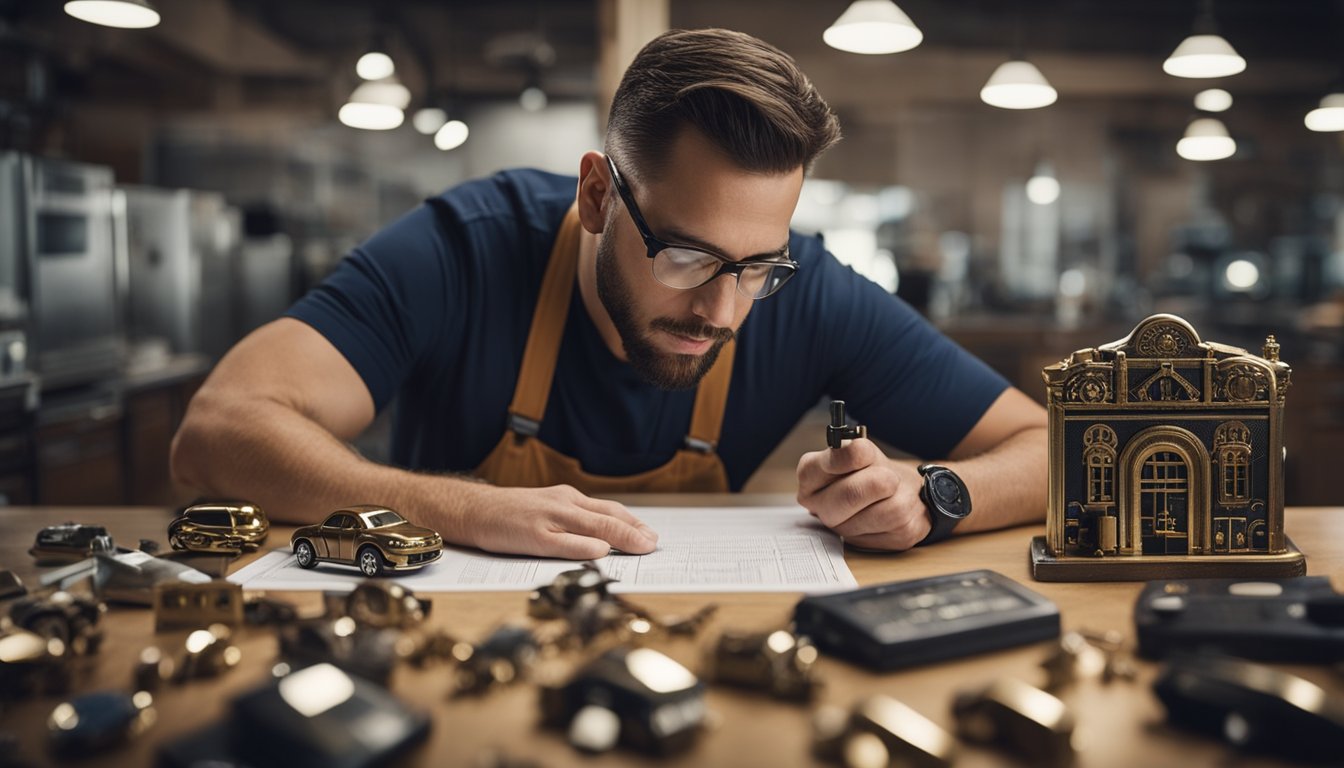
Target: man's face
[672, 336]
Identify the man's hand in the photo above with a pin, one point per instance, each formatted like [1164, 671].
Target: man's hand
[558, 521]
[870, 500]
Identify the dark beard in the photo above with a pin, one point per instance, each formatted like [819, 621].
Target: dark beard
[665, 371]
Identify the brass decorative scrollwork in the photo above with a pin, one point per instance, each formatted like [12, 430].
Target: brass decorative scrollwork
[1244, 384]
[1163, 340]
[1089, 387]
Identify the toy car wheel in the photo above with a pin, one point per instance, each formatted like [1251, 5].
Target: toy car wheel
[175, 541]
[370, 562]
[303, 552]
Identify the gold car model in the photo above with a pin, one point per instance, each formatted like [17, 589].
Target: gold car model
[374, 538]
[220, 526]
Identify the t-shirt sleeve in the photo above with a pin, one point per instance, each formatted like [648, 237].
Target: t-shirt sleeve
[383, 304]
[911, 385]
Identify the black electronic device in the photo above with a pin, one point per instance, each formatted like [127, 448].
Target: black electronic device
[1252, 707]
[1295, 620]
[921, 621]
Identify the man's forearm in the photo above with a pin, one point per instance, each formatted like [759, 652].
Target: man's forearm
[1007, 484]
[299, 472]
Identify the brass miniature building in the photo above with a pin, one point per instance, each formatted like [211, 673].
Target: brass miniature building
[1166, 460]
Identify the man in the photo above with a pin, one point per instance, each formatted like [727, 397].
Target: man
[564, 347]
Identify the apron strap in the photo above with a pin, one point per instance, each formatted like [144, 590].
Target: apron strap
[711, 400]
[548, 324]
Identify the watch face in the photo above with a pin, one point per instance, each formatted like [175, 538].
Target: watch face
[946, 493]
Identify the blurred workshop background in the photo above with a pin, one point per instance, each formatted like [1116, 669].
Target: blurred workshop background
[1034, 176]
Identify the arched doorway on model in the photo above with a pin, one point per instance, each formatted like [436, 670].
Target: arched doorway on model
[1164, 476]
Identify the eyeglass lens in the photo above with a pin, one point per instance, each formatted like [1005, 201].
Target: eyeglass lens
[685, 268]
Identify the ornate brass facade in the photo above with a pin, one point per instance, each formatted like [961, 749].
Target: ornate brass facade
[1166, 457]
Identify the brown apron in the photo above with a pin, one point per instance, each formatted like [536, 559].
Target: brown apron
[521, 460]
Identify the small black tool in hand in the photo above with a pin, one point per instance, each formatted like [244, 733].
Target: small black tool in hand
[838, 430]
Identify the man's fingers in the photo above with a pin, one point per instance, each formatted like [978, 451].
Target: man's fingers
[572, 546]
[616, 532]
[846, 497]
[853, 455]
[618, 511]
[904, 523]
[819, 469]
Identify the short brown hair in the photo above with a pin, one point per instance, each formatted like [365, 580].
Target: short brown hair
[746, 96]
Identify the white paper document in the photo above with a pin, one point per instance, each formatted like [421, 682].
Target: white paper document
[700, 549]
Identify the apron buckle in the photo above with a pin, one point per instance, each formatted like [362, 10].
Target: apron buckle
[524, 426]
[698, 445]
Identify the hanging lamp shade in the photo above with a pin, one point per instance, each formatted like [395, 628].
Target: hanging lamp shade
[123, 14]
[1018, 84]
[873, 27]
[1329, 116]
[428, 120]
[1204, 56]
[377, 105]
[1213, 100]
[1206, 138]
[451, 135]
[533, 99]
[1043, 186]
[375, 65]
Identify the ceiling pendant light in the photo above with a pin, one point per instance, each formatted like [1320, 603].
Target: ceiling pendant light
[375, 65]
[1206, 138]
[1043, 187]
[873, 26]
[428, 120]
[1205, 53]
[1204, 56]
[451, 135]
[1018, 84]
[123, 14]
[1329, 116]
[1213, 100]
[377, 105]
[533, 98]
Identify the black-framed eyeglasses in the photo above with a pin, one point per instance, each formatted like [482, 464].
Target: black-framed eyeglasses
[687, 267]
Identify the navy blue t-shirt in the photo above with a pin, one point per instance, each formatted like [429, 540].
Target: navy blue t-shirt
[434, 311]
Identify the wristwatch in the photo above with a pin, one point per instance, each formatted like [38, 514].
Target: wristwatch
[945, 495]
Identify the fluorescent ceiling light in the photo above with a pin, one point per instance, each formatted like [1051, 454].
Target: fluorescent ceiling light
[1204, 56]
[873, 26]
[1213, 100]
[1206, 139]
[1329, 116]
[123, 14]
[1018, 84]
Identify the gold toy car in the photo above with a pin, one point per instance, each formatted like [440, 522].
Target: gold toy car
[373, 538]
[219, 526]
